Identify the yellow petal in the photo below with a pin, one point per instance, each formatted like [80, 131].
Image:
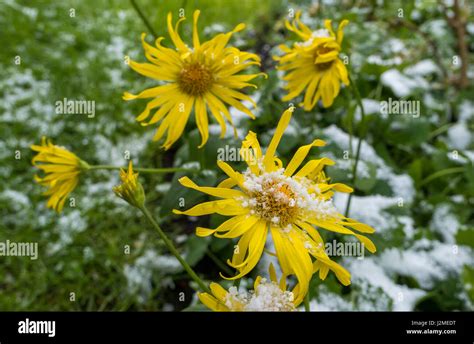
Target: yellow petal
[213, 191]
[340, 32]
[174, 35]
[236, 177]
[201, 120]
[237, 228]
[219, 292]
[195, 30]
[280, 129]
[227, 207]
[212, 303]
[300, 155]
[204, 232]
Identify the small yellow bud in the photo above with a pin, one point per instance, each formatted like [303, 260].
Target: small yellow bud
[130, 190]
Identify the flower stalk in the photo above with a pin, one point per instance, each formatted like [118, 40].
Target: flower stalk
[144, 169]
[306, 303]
[362, 133]
[131, 191]
[169, 244]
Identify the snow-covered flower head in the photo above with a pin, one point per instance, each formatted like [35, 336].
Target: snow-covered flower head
[267, 296]
[289, 202]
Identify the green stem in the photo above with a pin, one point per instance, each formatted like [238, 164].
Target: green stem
[219, 263]
[174, 251]
[306, 303]
[442, 173]
[143, 170]
[362, 133]
[440, 130]
[143, 18]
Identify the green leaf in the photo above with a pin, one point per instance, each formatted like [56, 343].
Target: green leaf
[408, 131]
[367, 183]
[196, 248]
[178, 194]
[468, 279]
[465, 237]
[416, 171]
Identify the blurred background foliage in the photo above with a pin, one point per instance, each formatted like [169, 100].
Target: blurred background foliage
[416, 176]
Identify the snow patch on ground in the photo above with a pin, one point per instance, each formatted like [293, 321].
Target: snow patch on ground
[114, 153]
[369, 270]
[401, 84]
[459, 136]
[401, 185]
[422, 68]
[428, 262]
[445, 223]
[139, 275]
[68, 226]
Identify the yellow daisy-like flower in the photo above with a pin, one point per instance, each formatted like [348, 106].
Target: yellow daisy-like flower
[269, 296]
[130, 190]
[62, 170]
[289, 202]
[314, 65]
[204, 78]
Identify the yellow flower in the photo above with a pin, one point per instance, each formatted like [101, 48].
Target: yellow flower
[314, 64]
[285, 201]
[270, 296]
[130, 190]
[204, 77]
[62, 170]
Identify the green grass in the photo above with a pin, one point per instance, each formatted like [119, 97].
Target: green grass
[82, 57]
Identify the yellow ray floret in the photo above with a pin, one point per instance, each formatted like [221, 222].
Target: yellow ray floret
[289, 203]
[313, 66]
[62, 169]
[204, 78]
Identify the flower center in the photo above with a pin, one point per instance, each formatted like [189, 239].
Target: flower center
[323, 65]
[281, 200]
[195, 79]
[276, 203]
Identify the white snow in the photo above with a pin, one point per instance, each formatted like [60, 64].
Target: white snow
[402, 185]
[20, 200]
[445, 223]
[267, 297]
[68, 225]
[274, 186]
[459, 136]
[427, 265]
[437, 28]
[400, 84]
[378, 60]
[366, 299]
[371, 106]
[422, 68]
[466, 110]
[139, 275]
[368, 270]
[395, 45]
